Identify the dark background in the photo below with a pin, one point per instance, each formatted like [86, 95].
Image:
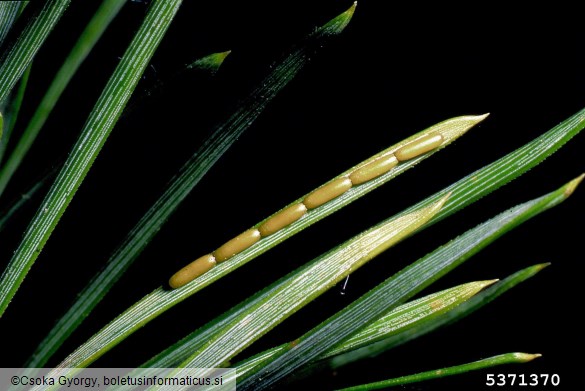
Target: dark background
[393, 72]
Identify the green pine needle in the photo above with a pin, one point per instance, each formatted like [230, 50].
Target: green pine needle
[502, 359]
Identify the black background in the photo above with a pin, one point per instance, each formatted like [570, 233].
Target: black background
[394, 71]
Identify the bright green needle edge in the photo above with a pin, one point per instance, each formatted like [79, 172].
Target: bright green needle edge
[89, 37]
[502, 359]
[400, 287]
[150, 224]
[98, 127]
[472, 305]
[12, 111]
[19, 55]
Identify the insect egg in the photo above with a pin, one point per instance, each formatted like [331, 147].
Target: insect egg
[327, 192]
[373, 169]
[418, 147]
[193, 270]
[282, 219]
[237, 245]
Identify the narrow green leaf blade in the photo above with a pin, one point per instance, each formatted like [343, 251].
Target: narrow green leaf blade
[98, 127]
[502, 359]
[20, 53]
[400, 287]
[94, 30]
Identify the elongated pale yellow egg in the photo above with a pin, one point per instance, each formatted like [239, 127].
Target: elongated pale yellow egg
[237, 245]
[192, 271]
[374, 169]
[418, 147]
[282, 219]
[327, 192]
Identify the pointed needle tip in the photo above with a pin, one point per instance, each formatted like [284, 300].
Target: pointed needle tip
[476, 119]
[489, 282]
[572, 185]
[349, 13]
[340, 22]
[221, 56]
[446, 196]
[437, 206]
[526, 357]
